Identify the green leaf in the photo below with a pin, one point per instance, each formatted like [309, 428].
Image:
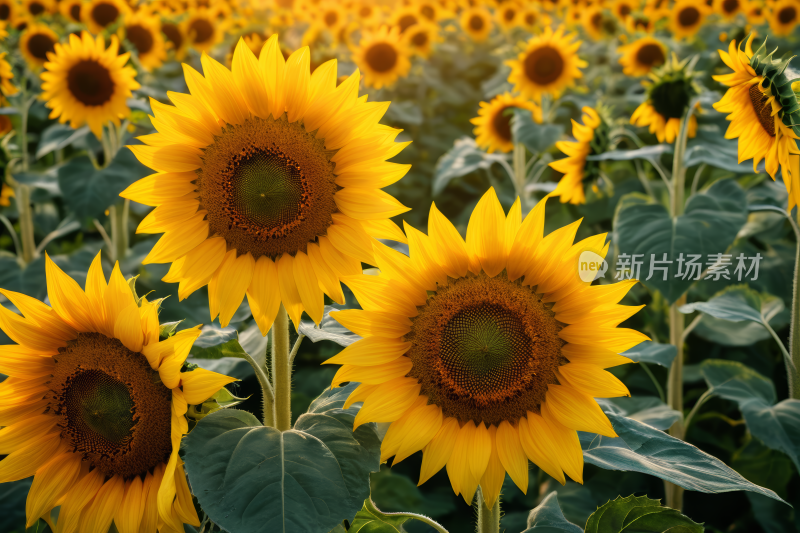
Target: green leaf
[89, 192]
[328, 330]
[648, 152]
[370, 520]
[639, 514]
[736, 303]
[547, 517]
[251, 478]
[215, 342]
[167, 329]
[12, 504]
[737, 382]
[59, 136]
[642, 448]
[463, 158]
[648, 410]
[652, 352]
[709, 225]
[536, 137]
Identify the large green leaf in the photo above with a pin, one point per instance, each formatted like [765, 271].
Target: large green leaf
[642, 448]
[59, 136]
[737, 303]
[89, 192]
[652, 352]
[536, 137]
[639, 514]
[328, 329]
[463, 158]
[708, 226]
[737, 382]
[547, 517]
[250, 478]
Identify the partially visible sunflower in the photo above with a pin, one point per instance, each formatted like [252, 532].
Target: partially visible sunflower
[8, 10]
[35, 43]
[477, 23]
[532, 20]
[143, 31]
[493, 123]
[383, 57]
[593, 20]
[784, 16]
[267, 185]
[95, 406]
[87, 83]
[755, 13]
[641, 56]
[548, 65]
[3, 31]
[6, 75]
[71, 9]
[488, 353]
[507, 15]
[176, 40]
[420, 38]
[670, 89]
[202, 29]
[431, 11]
[639, 22]
[656, 9]
[763, 112]
[331, 17]
[367, 13]
[100, 14]
[38, 8]
[591, 138]
[623, 9]
[729, 9]
[405, 17]
[6, 192]
[686, 17]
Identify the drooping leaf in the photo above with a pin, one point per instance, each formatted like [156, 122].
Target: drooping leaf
[708, 226]
[59, 136]
[464, 158]
[536, 137]
[639, 514]
[736, 303]
[648, 152]
[652, 352]
[251, 478]
[547, 517]
[642, 448]
[646, 409]
[737, 382]
[328, 330]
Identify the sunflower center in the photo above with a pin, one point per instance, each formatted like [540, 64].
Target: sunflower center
[427, 12]
[406, 21]
[730, 6]
[75, 12]
[140, 37]
[787, 14]
[90, 83]
[624, 10]
[331, 18]
[502, 123]
[105, 14]
[762, 108]
[201, 29]
[671, 98]
[597, 20]
[35, 8]
[381, 57]
[365, 11]
[173, 34]
[476, 23]
[5, 12]
[485, 349]
[39, 45]
[688, 16]
[651, 55]
[544, 65]
[509, 14]
[530, 19]
[112, 408]
[268, 187]
[420, 39]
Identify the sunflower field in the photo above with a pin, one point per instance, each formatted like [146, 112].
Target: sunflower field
[384, 266]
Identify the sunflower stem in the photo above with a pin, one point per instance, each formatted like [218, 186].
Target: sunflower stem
[23, 197]
[267, 398]
[488, 519]
[794, 333]
[282, 371]
[519, 171]
[119, 229]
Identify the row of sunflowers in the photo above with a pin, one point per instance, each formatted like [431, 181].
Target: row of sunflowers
[399, 265]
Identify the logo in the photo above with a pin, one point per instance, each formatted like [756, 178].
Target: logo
[591, 266]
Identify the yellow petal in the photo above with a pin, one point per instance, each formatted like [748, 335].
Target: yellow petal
[200, 384]
[577, 410]
[27, 333]
[373, 374]
[183, 505]
[564, 445]
[23, 433]
[528, 236]
[24, 462]
[449, 243]
[128, 328]
[26, 363]
[67, 298]
[494, 475]
[129, 514]
[437, 453]
[50, 483]
[486, 234]
[511, 454]
[42, 315]
[290, 296]
[373, 323]
[96, 290]
[370, 351]
[308, 287]
[593, 380]
[423, 425]
[388, 402]
[328, 280]
[235, 278]
[118, 296]
[534, 435]
[264, 295]
[79, 495]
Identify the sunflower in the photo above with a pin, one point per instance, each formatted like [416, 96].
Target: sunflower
[35, 43]
[670, 90]
[591, 138]
[728, 9]
[37, 8]
[532, 19]
[640, 57]
[143, 31]
[639, 22]
[332, 17]
[763, 112]
[756, 14]
[686, 17]
[431, 10]
[6, 75]
[100, 14]
[268, 183]
[593, 20]
[549, 65]
[175, 39]
[405, 17]
[71, 9]
[783, 17]
[97, 405]
[420, 38]
[202, 29]
[5, 127]
[383, 57]
[477, 23]
[367, 13]
[8, 10]
[3, 31]
[493, 123]
[87, 83]
[507, 15]
[623, 9]
[656, 9]
[476, 366]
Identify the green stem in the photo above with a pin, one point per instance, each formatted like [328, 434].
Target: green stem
[370, 506]
[519, 171]
[794, 334]
[118, 214]
[23, 197]
[656, 384]
[488, 519]
[267, 395]
[23, 132]
[282, 371]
